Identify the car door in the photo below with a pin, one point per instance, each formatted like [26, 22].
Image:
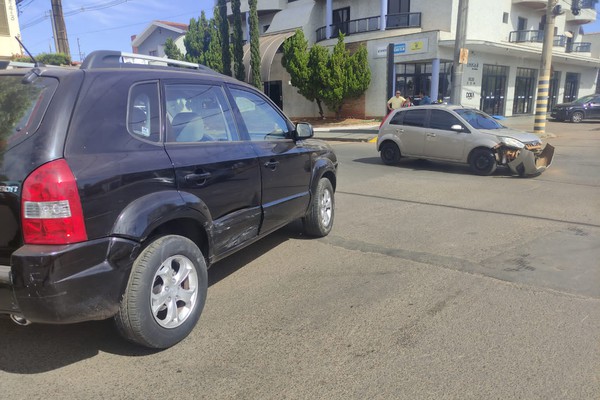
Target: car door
[211, 161]
[409, 127]
[441, 141]
[594, 108]
[285, 165]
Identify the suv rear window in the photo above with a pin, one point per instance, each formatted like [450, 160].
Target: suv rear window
[22, 107]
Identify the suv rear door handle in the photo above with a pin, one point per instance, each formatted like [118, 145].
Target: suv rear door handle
[271, 164]
[197, 178]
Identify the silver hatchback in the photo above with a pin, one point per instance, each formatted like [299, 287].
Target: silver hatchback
[460, 135]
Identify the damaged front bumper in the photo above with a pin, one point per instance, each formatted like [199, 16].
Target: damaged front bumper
[528, 163]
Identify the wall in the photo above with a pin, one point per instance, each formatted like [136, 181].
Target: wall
[156, 42]
[8, 44]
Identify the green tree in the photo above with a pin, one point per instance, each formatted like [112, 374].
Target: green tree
[358, 72]
[172, 51]
[337, 81]
[224, 30]
[318, 59]
[302, 65]
[213, 57]
[254, 45]
[238, 45]
[194, 41]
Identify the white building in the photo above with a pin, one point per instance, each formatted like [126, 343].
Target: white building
[152, 39]
[504, 39]
[9, 28]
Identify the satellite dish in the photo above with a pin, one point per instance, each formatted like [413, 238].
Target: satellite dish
[569, 34]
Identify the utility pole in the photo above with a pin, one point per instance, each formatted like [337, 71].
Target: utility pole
[60, 29]
[460, 52]
[541, 105]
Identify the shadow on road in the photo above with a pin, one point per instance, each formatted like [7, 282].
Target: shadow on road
[427, 165]
[39, 348]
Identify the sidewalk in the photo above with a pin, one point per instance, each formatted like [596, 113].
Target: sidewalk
[368, 132]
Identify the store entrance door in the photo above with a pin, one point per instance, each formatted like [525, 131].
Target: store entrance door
[493, 89]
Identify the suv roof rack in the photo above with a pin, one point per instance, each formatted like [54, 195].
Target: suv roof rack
[111, 59]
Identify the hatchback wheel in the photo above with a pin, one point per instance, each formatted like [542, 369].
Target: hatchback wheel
[483, 162]
[319, 218]
[165, 294]
[390, 153]
[577, 117]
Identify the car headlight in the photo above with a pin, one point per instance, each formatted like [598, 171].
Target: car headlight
[511, 142]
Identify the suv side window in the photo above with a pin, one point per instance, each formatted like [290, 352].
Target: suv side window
[441, 119]
[198, 113]
[143, 119]
[415, 117]
[262, 120]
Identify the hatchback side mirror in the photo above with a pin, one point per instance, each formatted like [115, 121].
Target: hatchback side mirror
[304, 130]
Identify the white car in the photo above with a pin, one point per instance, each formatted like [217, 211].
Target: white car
[460, 135]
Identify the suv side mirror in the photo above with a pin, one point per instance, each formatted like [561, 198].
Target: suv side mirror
[304, 130]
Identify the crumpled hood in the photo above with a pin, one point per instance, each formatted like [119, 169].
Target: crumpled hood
[521, 136]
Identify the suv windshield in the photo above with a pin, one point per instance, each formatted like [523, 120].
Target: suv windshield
[479, 120]
[22, 107]
[584, 99]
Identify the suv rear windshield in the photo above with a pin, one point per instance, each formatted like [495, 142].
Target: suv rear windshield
[22, 107]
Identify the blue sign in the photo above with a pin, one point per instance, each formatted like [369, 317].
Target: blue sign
[400, 48]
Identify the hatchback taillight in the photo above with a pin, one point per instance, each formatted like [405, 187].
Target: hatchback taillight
[385, 118]
[50, 206]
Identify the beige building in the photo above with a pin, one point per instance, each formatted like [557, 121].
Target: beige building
[9, 28]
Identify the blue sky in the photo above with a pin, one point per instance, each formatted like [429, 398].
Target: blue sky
[109, 24]
[101, 24]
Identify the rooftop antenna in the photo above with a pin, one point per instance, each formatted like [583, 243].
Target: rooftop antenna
[37, 64]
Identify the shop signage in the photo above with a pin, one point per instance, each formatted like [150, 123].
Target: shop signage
[405, 48]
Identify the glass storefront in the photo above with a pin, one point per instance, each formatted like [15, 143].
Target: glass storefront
[524, 91]
[411, 79]
[493, 89]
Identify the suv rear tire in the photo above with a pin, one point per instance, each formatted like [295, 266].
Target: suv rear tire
[577, 117]
[165, 294]
[319, 218]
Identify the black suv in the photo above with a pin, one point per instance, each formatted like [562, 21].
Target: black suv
[587, 107]
[120, 183]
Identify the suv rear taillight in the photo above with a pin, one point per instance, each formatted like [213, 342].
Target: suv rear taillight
[50, 206]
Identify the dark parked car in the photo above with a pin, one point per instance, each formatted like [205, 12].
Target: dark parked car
[121, 183]
[587, 107]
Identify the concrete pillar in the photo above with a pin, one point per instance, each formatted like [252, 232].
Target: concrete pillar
[435, 79]
[328, 18]
[384, 11]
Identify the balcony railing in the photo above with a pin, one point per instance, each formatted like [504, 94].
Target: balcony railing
[403, 20]
[582, 47]
[535, 37]
[393, 21]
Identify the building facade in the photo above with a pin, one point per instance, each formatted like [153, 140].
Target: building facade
[504, 39]
[9, 28]
[152, 39]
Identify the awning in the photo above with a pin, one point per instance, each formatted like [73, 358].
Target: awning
[268, 47]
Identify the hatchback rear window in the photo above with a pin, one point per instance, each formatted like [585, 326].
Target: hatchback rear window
[22, 107]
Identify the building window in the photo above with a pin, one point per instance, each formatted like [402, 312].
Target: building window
[522, 24]
[4, 30]
[505, 18]
[493, 89]
[524, 88]
[411, 79]
[398, 6]
[341, 16]
[571, 87]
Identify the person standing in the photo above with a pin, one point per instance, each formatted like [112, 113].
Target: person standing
[396, 102]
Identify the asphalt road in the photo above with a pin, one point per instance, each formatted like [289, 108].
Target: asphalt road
[434, 284]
